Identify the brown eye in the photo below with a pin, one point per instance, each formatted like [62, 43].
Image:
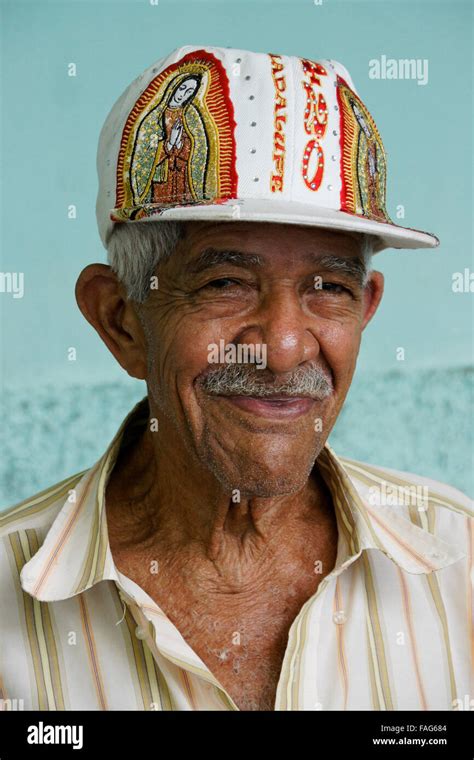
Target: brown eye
[334, 287]
[221, 283]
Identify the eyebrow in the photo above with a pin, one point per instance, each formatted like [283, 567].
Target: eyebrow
[212, 257]
[353, 267]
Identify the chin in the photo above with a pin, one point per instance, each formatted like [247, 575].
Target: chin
[272, 487]
[262, 466]
[259, 480]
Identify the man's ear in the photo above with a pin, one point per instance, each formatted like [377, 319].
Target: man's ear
[372, 296]
[102, 300]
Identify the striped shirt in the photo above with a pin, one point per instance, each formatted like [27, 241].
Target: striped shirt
[389, 628]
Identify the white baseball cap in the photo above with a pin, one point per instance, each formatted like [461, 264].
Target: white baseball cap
[214, 133]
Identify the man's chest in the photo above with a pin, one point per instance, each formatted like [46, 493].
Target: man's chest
[244, 654]
[241, 638]
[242, 647]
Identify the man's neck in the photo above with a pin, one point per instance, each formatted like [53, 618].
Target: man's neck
[158, 504]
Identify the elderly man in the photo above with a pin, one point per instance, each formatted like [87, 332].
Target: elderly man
[220, 555]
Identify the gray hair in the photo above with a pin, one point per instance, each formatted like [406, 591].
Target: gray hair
[135, 250]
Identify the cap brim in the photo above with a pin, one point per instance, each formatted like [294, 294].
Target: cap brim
[293, 212]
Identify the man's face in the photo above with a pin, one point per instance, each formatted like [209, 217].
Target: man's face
[293, 292]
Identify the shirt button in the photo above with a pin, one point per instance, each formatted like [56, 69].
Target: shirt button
[339, 617]
[140, 632]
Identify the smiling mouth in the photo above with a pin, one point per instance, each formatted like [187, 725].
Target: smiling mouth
[278, 406]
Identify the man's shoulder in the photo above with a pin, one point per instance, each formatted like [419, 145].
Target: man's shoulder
[38, 511]
[400, 486]
[416, 509]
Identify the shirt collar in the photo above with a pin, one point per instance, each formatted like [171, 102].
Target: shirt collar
[75, 553]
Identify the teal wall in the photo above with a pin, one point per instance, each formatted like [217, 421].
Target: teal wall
[49, 130]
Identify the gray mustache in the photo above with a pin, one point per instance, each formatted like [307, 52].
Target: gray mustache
[246, 380]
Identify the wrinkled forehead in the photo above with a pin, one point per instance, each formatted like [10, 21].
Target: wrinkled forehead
[267, 238]
[274, 249]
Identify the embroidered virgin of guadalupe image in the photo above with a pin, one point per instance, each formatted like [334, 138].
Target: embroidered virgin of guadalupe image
[177, 145]
[173, 141]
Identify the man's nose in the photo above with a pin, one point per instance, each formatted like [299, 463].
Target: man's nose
[287, 330]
